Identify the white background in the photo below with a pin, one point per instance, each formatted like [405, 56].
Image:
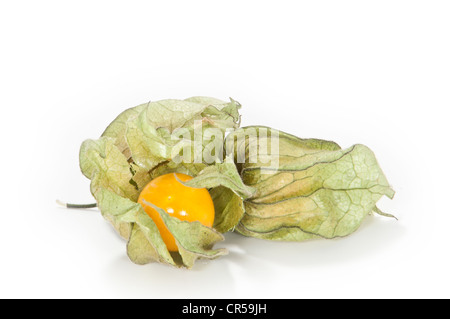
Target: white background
[370, 72]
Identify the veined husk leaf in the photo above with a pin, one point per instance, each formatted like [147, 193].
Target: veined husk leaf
[194, 240]
[227, 191]
[137, 147]
[316, 189]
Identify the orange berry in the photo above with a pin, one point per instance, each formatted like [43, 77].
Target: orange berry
[180, 201]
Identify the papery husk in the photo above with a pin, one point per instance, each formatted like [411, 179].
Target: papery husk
[316, 189]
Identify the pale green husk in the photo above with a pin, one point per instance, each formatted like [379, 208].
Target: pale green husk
[317, 190]
[137, 147]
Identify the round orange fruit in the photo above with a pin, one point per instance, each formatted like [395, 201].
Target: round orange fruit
[178, 200]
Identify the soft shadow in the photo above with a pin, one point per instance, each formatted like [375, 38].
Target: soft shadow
[127, 280]
[374, 235]
[250, 260]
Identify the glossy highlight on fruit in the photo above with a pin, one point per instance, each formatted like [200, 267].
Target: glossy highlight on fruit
[180, 201]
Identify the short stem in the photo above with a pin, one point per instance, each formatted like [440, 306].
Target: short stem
[379, 212]
[76, 206]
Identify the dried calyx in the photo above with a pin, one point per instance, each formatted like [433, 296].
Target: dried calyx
[264, 183]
